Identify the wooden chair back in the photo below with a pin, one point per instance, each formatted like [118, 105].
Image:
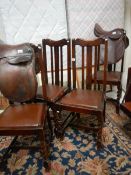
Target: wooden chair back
[56, 60]
[90, 57]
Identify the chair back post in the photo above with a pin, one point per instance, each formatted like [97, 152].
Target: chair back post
[42, 71]
[44, 59]
[90, 58]
[105, 64]
[73, 63]
[57, 59]
[69, 62]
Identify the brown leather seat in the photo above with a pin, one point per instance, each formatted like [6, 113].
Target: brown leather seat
[113, 78]
[84, 99]
[25, 119]
[11, 113]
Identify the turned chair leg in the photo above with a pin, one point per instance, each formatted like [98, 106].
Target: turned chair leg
[104, 112]
[50, 123]
[45, 151]
[99, 135]
[119, 91]
[58, 130]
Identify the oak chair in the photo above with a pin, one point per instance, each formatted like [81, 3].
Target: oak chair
[114, 78]
[22, 117]
[56, 70]
[86, 100]
[117, 43]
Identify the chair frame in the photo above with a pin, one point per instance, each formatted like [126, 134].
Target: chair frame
[26, 130]
[56, 58]
[114, 77]
[76, 110]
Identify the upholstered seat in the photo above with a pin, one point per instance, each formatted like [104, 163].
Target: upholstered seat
[19, 116]
[112, 77]
[84, 98]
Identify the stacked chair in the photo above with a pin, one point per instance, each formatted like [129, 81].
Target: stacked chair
[30, 108]
[89, 99]
[53, 54]
[117, 43]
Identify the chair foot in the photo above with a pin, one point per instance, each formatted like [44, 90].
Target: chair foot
[59, 134]
[50, 123]
[3, 163]
[47, 166]
[117, 110]
[119, 92]
[99, 145]
[99, 137]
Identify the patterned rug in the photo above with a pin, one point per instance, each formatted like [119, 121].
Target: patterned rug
[77, 153]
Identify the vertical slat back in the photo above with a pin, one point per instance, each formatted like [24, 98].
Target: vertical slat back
[90, 58]
[45, 60]
[83, 65]
[56, 54]
[42, 70]
[88, 67]
[98, 59]
[74, 62]
[52, 63]
[69, 63]
[61, 63]
[105, 64]
[95, 65]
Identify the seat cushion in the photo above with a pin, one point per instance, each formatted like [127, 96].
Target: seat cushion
[54, 92]
[84, 99]
[24, 115]
[111, 76]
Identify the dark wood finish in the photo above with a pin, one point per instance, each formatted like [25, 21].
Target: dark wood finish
[52, 57]
[127, 96]
[23, 118]
[87, 99]
[117, 42]
[126, 104]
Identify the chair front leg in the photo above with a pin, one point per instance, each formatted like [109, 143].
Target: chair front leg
[50, 123]
[119, 92]
[45, 151]
[58, 124]
[100, 123]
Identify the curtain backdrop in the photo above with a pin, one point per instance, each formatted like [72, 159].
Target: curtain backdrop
[32, 20]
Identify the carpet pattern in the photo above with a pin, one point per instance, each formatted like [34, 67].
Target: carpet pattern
[77, 154]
